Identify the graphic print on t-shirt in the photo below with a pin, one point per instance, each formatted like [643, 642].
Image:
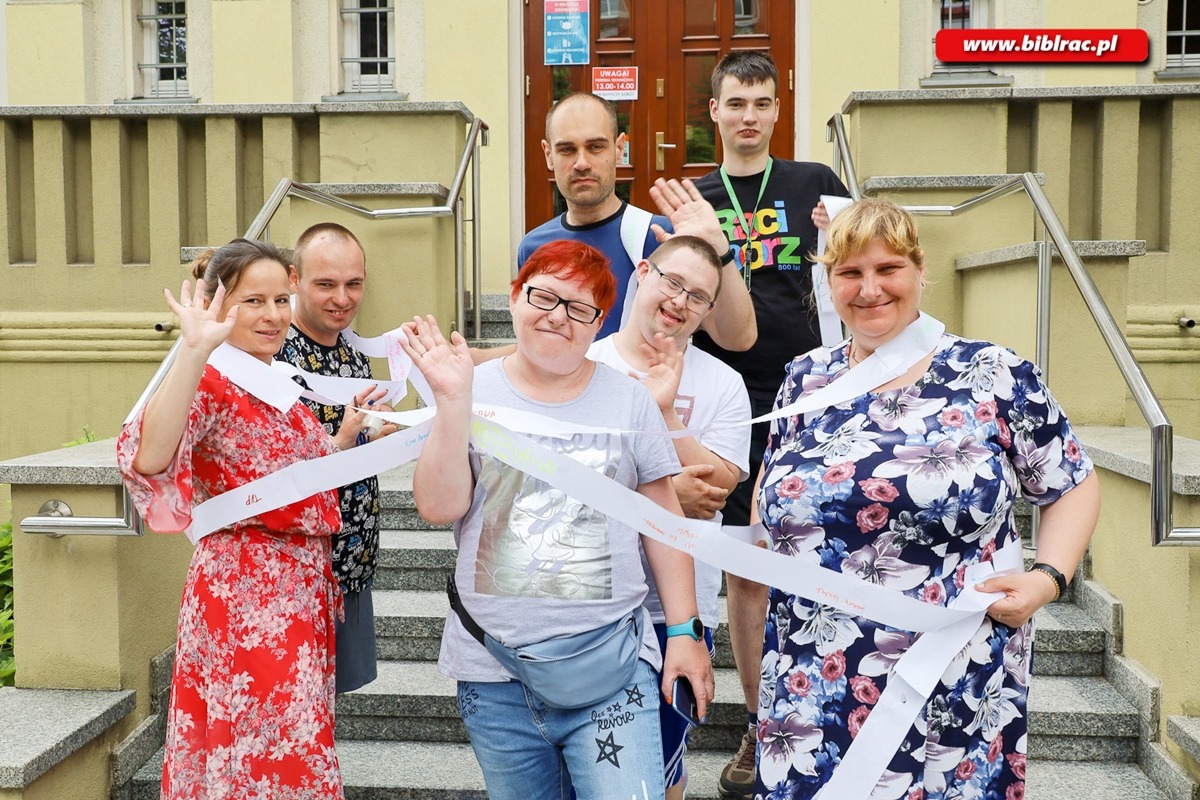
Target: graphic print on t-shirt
[538, 542]
[771, 246]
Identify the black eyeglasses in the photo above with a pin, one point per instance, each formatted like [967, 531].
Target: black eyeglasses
[547, 300]
[673, 288]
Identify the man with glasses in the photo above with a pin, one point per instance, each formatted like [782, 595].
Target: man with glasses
[769, 209]
[676, 290]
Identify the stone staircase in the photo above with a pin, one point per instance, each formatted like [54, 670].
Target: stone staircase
[401, 736]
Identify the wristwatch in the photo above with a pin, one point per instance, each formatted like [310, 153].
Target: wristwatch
[730, 254]
[693, 628]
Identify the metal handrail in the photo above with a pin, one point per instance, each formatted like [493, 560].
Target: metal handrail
[478, 135]
[1162, 527]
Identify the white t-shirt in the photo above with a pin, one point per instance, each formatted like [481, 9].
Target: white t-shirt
[711, 394]
[534, 564]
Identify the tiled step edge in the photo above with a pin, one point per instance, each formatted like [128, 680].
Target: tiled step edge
[436, 771]
[141, 744]
[44, 726]
[1140, 688]
[1027, 251]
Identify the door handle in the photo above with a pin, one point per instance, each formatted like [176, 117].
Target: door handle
[660, 161]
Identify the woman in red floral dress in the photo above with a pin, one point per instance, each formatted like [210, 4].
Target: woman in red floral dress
[251, 712]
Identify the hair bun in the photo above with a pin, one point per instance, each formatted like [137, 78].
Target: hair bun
[200, 264]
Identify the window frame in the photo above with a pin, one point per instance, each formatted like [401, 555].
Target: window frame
[154, 86]
[979, 15]
[1184, 60]
[353, 81]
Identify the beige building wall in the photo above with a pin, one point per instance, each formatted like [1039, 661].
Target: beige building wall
[48, 75]
[1160, 593]
[467, 59]
[252, 51]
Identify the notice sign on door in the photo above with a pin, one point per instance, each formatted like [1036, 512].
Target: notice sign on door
[568, 38]
[615, 83]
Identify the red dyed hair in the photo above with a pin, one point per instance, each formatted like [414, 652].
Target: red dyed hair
[572, 261]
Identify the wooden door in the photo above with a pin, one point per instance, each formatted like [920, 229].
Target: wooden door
[674, 44]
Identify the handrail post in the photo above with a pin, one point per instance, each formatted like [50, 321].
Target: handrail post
[847, 161]
[1045, 261]
[460, 282]
[476, 246]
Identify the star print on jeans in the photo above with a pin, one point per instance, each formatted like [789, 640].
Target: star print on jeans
[608, 750]
[635, 695]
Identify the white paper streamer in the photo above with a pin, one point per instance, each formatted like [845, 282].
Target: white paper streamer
[827, 317]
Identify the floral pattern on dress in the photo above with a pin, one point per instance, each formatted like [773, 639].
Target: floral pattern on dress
[251, 712]
[904, 488]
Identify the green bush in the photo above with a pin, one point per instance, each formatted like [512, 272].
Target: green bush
[8, 665]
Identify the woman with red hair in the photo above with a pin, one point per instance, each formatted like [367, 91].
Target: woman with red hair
[538, 570]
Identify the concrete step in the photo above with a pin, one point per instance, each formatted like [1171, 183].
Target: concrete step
[409, 623]
[1071, 719]
[381, 770]
[416, 560]
[1080, 719]
[1185, 732]
[1067, 642]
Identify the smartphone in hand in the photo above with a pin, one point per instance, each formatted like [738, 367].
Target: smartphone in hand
[683, 700]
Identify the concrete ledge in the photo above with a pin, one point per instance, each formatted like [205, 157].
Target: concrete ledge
[138, 748]
[1166, 773]
[148, 737]
[412, 189]
[239, 109]
[1104, 609]
[1126, 451]
[1185, 731]
[1087, 248]
[983, 181]
[162, 666]
[91, 464]
[44, 726]
[1020, 93]
[1139, 687]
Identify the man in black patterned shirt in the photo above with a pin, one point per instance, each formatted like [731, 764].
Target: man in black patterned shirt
[328, 273]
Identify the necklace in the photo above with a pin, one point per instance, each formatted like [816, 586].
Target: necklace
[746, 224]
[852, 356]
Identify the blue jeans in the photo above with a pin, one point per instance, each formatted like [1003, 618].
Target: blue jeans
[530, 751]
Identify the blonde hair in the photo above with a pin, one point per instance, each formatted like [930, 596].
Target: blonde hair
[866, 220]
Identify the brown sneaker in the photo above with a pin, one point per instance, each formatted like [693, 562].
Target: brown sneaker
[737, 779]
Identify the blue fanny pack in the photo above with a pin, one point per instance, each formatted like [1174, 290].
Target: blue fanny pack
[570, 671]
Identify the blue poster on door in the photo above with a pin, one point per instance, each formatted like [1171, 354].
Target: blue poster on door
[568, 38]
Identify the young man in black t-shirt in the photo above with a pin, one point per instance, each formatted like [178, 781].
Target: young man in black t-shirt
[765, 206]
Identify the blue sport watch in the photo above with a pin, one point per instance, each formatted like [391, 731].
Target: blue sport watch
[693, 628]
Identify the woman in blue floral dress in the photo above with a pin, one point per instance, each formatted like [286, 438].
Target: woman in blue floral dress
[907, 486]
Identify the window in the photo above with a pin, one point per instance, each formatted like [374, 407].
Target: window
[961, 15]
[956, 15]
[1183, 33]
[745, 17]
[164, 45]
[369, 45]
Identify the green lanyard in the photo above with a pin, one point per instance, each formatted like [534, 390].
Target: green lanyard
[747, 225]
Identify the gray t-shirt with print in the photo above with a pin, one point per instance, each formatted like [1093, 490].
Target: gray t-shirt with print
[533, 564]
